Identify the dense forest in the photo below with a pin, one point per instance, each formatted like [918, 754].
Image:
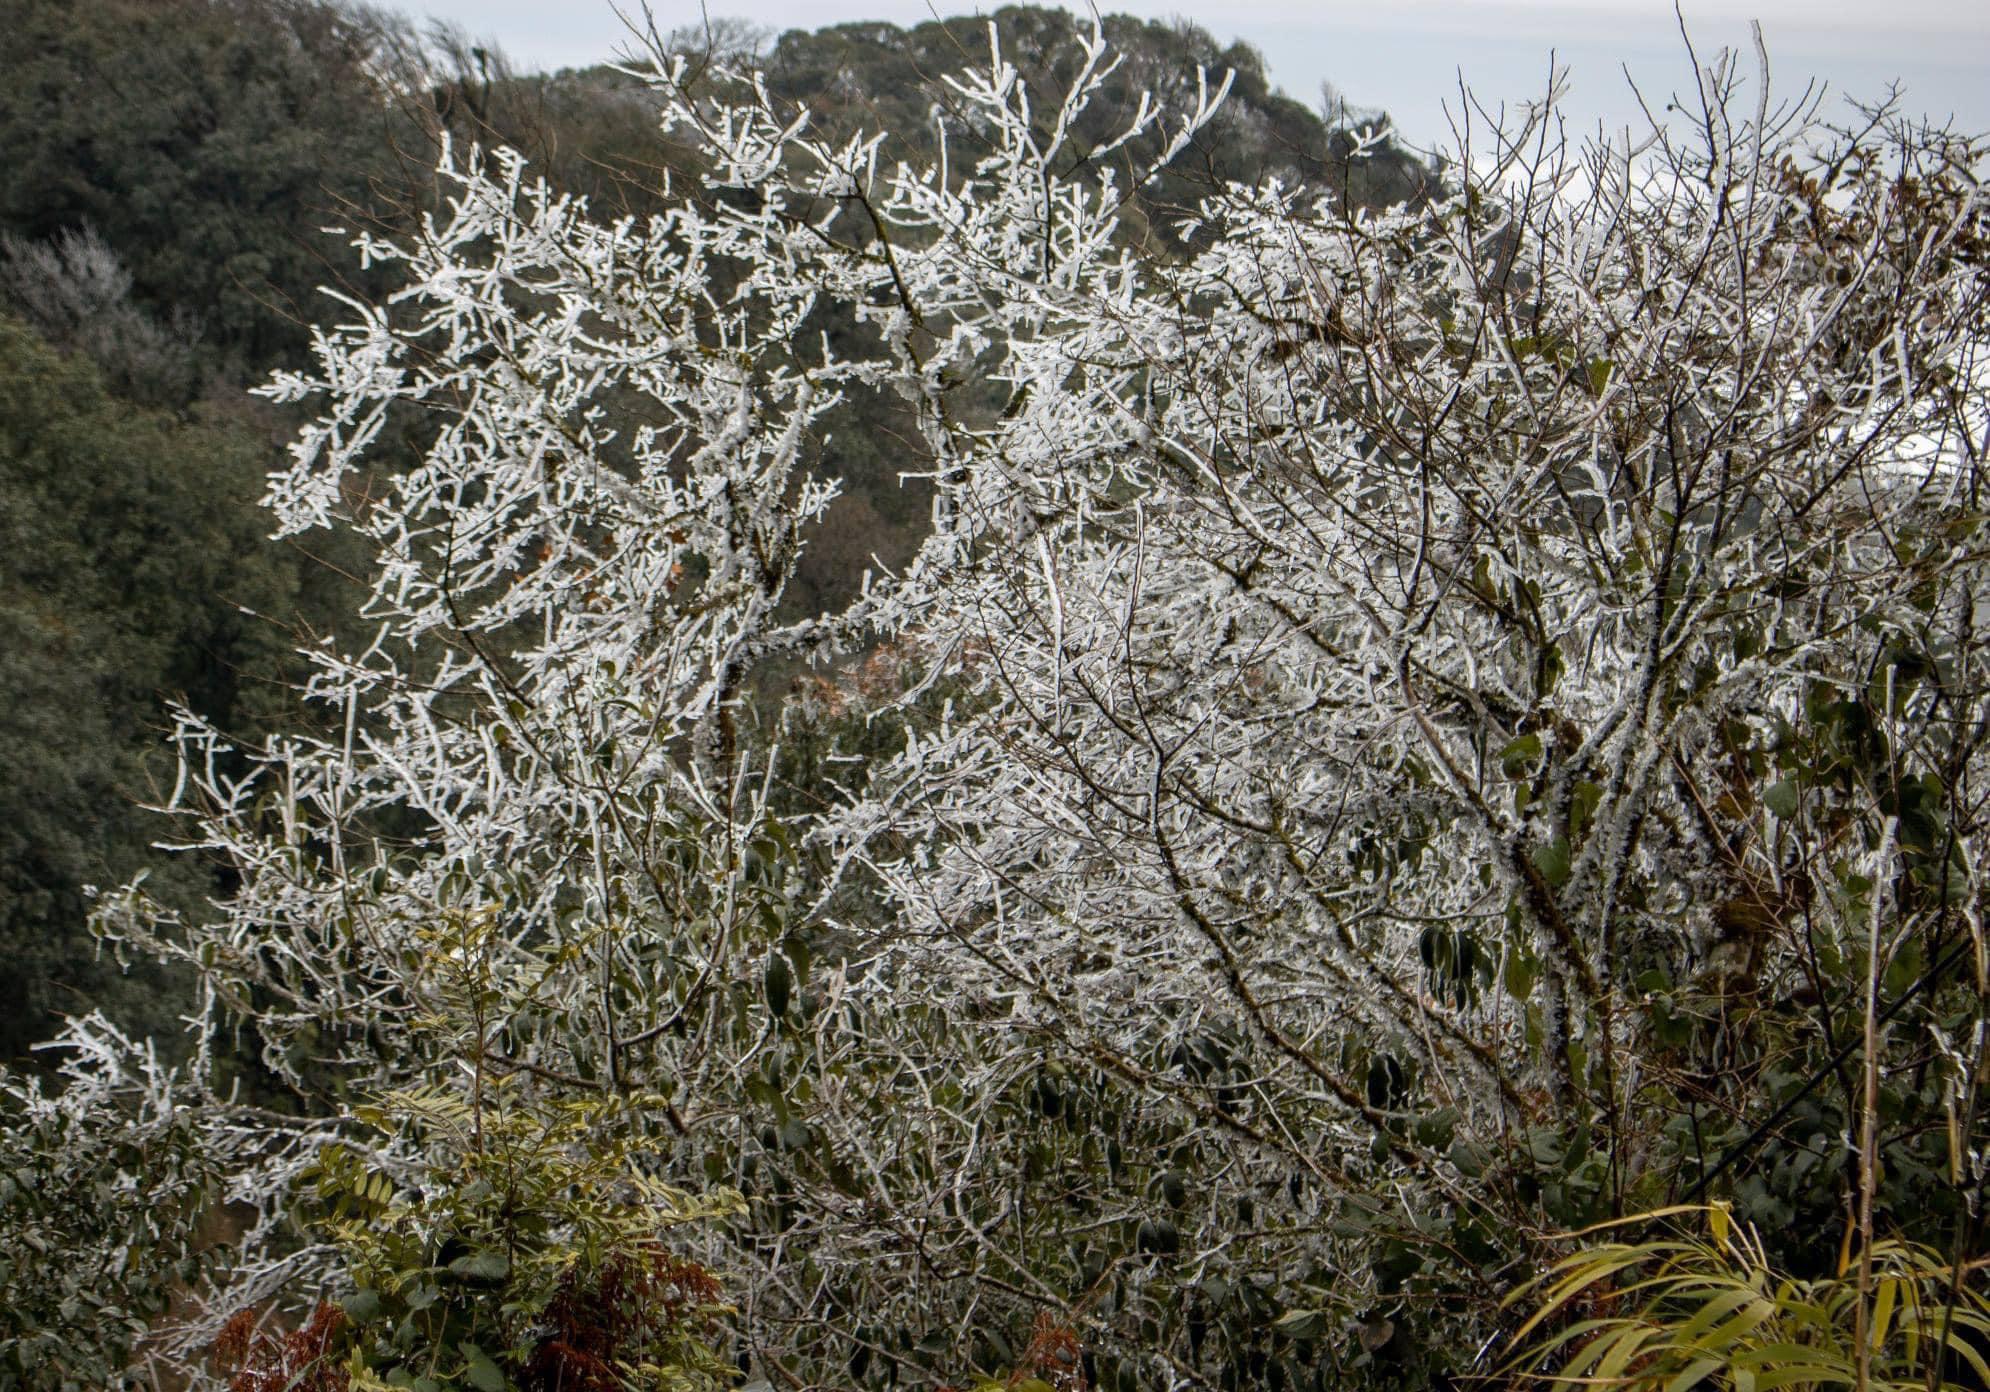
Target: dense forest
[975, 706]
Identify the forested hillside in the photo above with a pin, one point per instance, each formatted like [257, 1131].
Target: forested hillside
[171, 167]
[973, 707]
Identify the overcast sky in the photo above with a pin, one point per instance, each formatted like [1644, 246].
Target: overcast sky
[1407, 55]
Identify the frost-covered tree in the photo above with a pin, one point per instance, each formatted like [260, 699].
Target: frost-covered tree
[573, 590]
[75, 292]
[1418, 728]
[1482, 706]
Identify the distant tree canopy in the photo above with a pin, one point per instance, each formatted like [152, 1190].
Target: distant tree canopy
[129, 545]
[882, 78]
[209, 141]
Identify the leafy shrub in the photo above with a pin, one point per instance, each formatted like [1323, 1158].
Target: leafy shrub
[1677, 1312]
[104, 1183]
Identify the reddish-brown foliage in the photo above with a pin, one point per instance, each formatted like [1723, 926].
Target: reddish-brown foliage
[297, 1360]
[631, 1305]
[1054, 1355]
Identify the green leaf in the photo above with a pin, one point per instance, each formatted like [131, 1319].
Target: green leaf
[483, 1374]
[1521, 973]
[1582, 805]
[1781, 799]
[1519, 753]
[1693, 1374]
[482, 1266]
[779, 982]
[1306, 1325]
[1552, 860]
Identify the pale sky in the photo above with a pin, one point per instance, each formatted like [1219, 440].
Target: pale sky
[1407, 55]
